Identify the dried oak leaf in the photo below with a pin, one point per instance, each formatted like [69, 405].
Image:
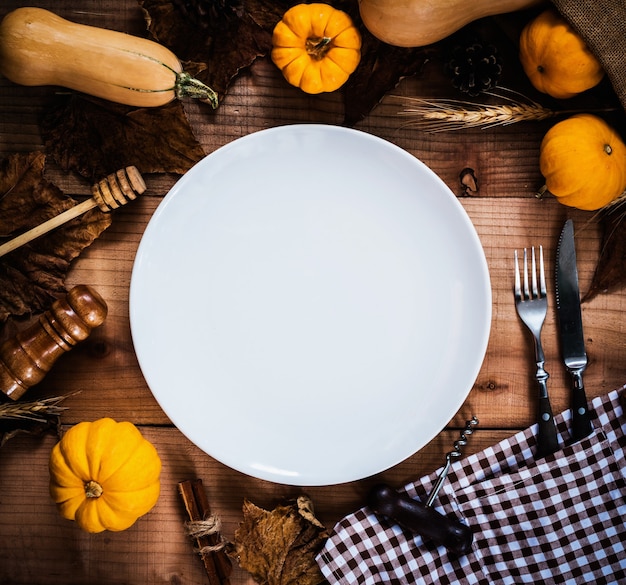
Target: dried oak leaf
[610, 273]
[95, 137]
[32, 277]
[232, 39]
[278, 547]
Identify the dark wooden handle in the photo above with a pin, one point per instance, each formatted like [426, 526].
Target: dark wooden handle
[26, 358]
[547, 440]
[581, 418]
[421, 519]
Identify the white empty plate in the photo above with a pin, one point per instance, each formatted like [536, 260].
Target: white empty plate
[310, 305]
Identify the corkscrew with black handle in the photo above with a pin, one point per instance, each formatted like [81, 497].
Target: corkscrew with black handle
[422, 518]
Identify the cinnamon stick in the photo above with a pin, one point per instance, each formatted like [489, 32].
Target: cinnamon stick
[216, 563]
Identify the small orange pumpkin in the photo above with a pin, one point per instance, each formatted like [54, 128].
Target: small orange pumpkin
[556, 59]
[583, 161]
[104, 475]
[316, 46]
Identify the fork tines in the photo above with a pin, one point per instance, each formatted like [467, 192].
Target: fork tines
[537, 292]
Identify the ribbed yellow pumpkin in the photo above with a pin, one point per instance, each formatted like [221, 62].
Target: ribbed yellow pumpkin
[104, 475]
[583, 161]
[316, 46]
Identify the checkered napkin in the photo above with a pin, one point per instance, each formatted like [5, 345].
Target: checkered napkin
[561, 519]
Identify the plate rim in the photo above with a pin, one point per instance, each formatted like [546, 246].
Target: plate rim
[484, 284]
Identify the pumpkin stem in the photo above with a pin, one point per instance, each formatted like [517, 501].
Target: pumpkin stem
[318, 47]
[187, 86]
[93, 489]
[543, 191]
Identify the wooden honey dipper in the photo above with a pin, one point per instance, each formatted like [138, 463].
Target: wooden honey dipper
[110, 193]
[27, 357]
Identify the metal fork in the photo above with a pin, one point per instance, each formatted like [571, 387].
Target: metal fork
[531, 303]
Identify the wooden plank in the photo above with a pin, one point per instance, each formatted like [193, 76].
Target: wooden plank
[105, 371]
[38, 546]
[102, 376]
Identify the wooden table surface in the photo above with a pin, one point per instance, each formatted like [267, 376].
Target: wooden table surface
[102, 377]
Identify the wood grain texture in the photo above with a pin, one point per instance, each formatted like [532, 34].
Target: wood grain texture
[102, 376]
[38, 546]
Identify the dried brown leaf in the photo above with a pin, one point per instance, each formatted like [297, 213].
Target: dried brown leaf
[278, 547]
[217, 49]
[96, 137]
[9, 429]
[32, 277]
[381, 69]
[29, 417]
[610, 273]
[231, 40]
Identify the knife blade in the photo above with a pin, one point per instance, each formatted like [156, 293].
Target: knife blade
[571, 329]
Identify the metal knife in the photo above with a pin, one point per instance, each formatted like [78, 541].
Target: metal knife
[571, 329]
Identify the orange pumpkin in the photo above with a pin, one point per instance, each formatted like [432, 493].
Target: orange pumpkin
[556, 59]
[583, 161]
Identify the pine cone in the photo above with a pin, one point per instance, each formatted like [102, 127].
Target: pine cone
[210, 14]
[474, 68]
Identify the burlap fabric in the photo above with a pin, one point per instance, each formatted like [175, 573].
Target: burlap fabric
[602, 24]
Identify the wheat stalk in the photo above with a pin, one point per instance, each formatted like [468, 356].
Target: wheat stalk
[439, 115]
[38, 410]
[617, 202]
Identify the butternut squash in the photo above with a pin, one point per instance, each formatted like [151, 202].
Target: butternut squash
[416, 23]
[38, 47]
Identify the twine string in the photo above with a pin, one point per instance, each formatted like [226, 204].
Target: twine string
[209, 527]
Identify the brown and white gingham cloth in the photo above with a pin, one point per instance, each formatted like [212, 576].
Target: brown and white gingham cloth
[561, 519]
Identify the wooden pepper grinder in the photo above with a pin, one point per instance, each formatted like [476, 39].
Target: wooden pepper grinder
[26, 358]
